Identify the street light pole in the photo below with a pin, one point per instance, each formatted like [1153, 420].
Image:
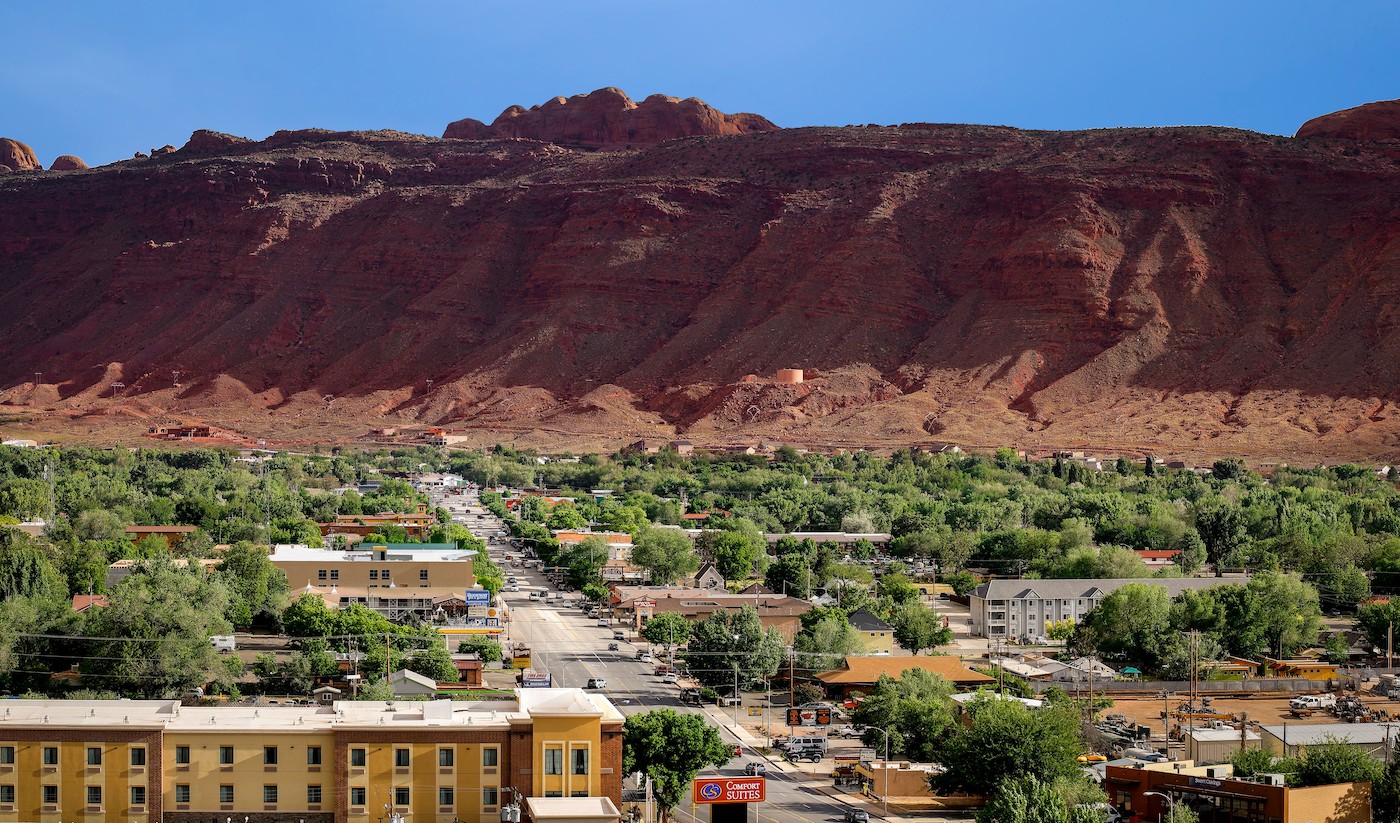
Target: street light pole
[1171, 804]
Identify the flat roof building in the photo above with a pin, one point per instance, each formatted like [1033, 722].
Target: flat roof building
[375, 568]
[343, 762]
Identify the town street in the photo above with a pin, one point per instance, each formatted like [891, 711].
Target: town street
[568, 644]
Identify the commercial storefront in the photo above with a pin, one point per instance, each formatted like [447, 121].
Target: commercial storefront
[1142, 793]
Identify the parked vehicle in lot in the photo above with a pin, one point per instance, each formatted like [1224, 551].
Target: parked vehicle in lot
[805, 755]
[857, 816]
[1313, 701]
[847, 732]
[756, 769]
[804, 742]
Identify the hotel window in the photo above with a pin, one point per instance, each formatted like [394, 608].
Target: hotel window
[51, 756]
[138, 795]
[401, 797]
[94, 756]
[580, 761]
[553, 794]
[182, 792]
[225, 755]
[7, 794]
[401, 758]
[374, 574]
[554, 761]
[50, 794]
[445, 796]
[422, 574]
[384, 574]
[138, 756]
[489, 796]
[445, 757]
[313, 795]
[94, 795]
[357, 796]
[269, 794]
[357, 757]
[225, 793]
[7, 755]
[269, 755]
[320, 574]
[579, 793]
[335, 574]
[313, 755]
[490, 757]
[182, 755]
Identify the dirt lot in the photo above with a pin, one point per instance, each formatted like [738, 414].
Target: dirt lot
[1267, 710]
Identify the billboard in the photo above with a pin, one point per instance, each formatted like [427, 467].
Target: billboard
[477, 597]
[729, 789]
[534, 680]
[817, 716]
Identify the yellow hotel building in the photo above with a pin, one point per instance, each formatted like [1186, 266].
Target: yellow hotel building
[349, 762]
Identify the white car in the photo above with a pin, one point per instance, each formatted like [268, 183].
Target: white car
[670, 677]
[514, 587]
[602, 622]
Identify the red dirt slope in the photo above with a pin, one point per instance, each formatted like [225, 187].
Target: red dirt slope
[1185, 290]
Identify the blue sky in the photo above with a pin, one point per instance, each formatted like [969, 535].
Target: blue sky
[103, 79]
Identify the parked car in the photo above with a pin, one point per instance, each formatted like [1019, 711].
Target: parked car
[808, 755]
[847, 732]
[756, 769]
[857, 816]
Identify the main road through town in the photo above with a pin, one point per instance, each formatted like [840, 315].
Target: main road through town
[573, 648]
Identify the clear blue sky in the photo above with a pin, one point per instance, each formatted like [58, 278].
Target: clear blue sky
[104, 79]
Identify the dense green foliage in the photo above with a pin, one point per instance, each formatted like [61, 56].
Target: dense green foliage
[671, 748]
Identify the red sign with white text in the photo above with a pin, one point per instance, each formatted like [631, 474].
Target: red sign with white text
[730, 789]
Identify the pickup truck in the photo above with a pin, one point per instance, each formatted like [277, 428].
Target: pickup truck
[1313, 701]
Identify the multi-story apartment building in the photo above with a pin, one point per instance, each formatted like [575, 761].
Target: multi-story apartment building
[348, 762]
[1026, 608]
[376, 568]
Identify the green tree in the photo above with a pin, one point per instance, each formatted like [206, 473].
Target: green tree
[1287, 611]
[915, 709]
[726, 642]
[671, 748]
[917, 627]
[826, 645]
[26, 569]
[481, 645]
[1336, 761]
[739, 554]
[665, 553]
[583, 561]
[432, 659]
[160, 619]
[1131, 622]
[962, 582]
[1026, 798]
[258, 588]
[1005, 739]
[667, 629]
[308, 616]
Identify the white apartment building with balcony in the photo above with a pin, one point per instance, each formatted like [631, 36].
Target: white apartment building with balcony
[1026, 608]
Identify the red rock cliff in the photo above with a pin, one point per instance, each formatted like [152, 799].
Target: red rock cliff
[1157, 288]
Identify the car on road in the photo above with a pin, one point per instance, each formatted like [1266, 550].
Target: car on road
[619, 634]
[756, 769]
[612, 647]
[596, 683]
[856, 816]
[670, 677]
[514, 587]
[663, 669]
[602, 623]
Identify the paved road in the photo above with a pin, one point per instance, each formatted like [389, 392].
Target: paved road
[573, 648]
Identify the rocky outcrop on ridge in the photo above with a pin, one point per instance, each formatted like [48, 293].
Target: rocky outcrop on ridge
[609, 118]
